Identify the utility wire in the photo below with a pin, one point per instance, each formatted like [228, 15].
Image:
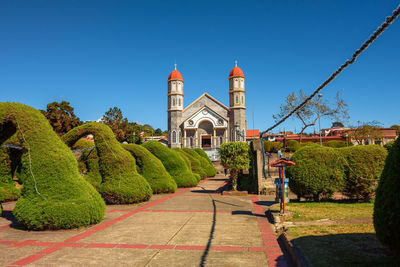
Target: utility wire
[348, 62]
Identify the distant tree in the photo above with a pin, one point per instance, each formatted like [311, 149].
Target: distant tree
[118, 124]
[158, 132]
[365, 131]
[337, 124]
[61, 117]
[315, 109]
[397, 127]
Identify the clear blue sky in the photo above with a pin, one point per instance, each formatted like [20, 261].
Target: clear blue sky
[100, 54]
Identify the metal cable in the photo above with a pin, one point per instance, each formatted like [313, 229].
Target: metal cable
[363, 47]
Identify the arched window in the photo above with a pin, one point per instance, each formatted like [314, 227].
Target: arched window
[242, 100]
[237, 99]
[243, 135]
[173, 102]
[173, 137]
[179, 102]
[191, 142]
[179, 137]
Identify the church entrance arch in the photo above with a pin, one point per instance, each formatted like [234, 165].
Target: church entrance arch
[205, 130]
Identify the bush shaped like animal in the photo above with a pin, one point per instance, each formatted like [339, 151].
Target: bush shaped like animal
[54, 195]
[387, 201]
[363, 170]
[152, 169]
[209, 168]
[319, 172]
[121, 183]
[173, 163]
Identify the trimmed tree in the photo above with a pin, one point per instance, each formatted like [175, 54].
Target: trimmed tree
[209, 168]
[235, 156]
[10, 159]
[173, 163]
[319, 172]
[387, 201]
[88, 162]
[363, 170]
[152, 169]
[199, 164]
[121, 183]
[192, 163]
[54, 195]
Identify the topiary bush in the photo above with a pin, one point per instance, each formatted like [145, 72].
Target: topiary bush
[208, 168]
[54, 195]
[235, 156]
[10, 159]
[173, 163]
[88, 162]
[292, 146]
[319, 172]
[363, 170]
[336, 144]
[120, 183]
[152, 169]
[199, 164]
[192, 163]
[387, 201]
[272, 147]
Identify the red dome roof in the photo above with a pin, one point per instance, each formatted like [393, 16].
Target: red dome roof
[175, 75]
[236, 72]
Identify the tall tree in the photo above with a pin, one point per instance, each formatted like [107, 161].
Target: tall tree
[315, 109]
[61, 117]
[118, 124]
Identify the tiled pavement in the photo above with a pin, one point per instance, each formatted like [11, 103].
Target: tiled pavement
[192, 227]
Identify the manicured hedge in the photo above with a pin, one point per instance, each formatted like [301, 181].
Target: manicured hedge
[363, 170]
[9, 161]
[152, 169]
[173, 163]
[121, 183]
[319, 172]
[199, 164]
[208, 168]
[192, 163]
[387, 201]
[272, 147]
[336, 144]
[292, 146]
[54, 195]
[88, 162]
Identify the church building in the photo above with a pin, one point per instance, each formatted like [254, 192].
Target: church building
[206, 123]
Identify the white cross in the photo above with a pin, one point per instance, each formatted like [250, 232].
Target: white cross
[236, 63]
[175, 65]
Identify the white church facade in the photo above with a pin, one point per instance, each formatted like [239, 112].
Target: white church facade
[206, 123]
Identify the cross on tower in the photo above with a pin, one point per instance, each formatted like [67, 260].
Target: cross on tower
[175, 65]
[236, 63]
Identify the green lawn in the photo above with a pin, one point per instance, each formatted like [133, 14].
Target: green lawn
[312, 211]
[341, 245]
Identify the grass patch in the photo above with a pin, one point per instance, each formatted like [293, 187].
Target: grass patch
[341, 245]
[311, 211]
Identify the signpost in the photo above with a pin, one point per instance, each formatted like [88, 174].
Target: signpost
[281, 181]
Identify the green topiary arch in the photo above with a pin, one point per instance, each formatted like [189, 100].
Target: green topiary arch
[54, 195]
[121, 183]
[173, 162]
[152, 169]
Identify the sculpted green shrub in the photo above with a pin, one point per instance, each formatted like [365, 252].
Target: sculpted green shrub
[54, 195]
[363, 170]
[272, 147]
[292, 146]
[208, 168]
[387, 201]
[152, 169]
[199, 164]
[120, 183]
[336, 144]
[88, 162]
[191, 163]
[235, 156]
[173, 163]
[9, 161]
[319, 172]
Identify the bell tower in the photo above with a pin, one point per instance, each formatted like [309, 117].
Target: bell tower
[237, 108]
[175, 108]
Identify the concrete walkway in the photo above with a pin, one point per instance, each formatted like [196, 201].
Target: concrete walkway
[192, 227]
